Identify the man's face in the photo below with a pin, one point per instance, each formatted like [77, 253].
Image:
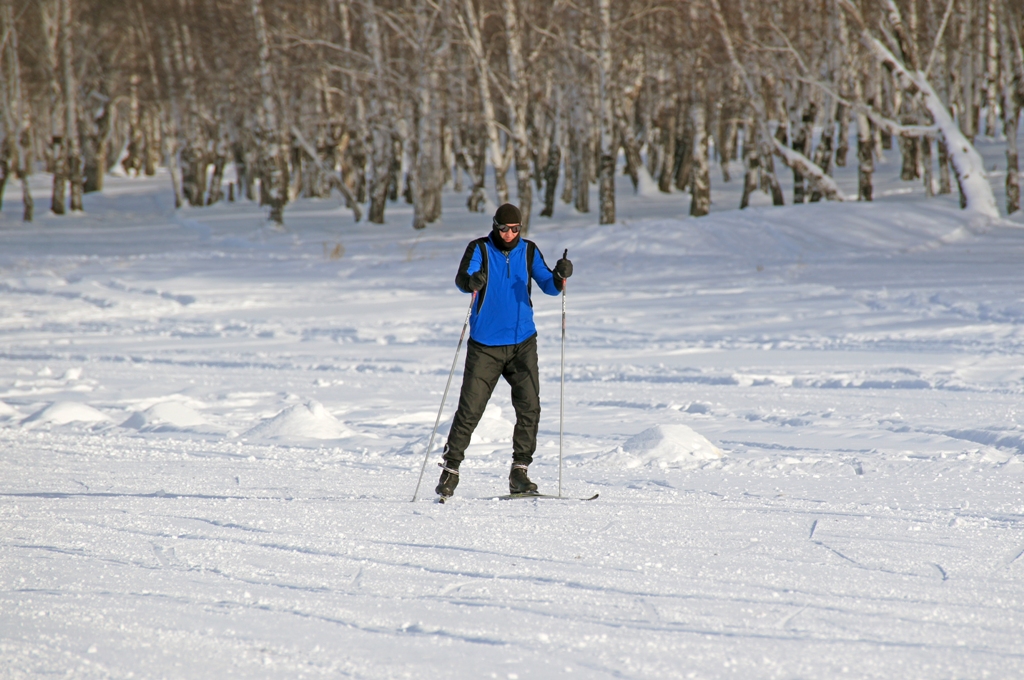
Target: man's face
[509, 235]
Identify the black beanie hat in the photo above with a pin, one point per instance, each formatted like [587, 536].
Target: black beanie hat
[508, 214]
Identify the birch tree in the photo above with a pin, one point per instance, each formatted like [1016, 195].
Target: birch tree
[16, 123]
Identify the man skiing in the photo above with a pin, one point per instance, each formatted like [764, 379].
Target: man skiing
[502, 342]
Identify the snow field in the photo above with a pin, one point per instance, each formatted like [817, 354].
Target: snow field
[211, 431]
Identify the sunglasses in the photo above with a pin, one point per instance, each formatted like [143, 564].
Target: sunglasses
[503, 228]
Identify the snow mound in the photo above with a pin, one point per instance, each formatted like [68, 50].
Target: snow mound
[492, 428]
[7, 412]
[306, 421]
[168, 416]
[64, 413]
[668, 446]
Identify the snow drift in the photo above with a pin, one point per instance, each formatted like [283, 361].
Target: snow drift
[667, 446]
[302, 421]
[7, 412]
[65, 413]
[168, 416]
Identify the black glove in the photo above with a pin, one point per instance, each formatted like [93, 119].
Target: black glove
[478, 280]
[563, 268]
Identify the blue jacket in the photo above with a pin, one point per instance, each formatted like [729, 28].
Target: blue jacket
[503, 313]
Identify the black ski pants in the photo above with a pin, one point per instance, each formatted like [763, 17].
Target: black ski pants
[484, 365]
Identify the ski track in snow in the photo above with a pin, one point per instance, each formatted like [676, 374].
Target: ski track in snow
[162, 514]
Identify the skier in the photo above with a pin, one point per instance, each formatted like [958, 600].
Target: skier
[502, 342]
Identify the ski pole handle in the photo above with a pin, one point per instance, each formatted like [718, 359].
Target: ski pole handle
[565, 256]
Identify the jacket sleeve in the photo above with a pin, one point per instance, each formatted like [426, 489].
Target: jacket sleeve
[470, 265]
[545, 278]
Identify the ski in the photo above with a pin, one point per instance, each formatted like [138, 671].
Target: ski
[513, 496]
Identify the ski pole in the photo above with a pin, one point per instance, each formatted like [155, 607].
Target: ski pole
[430, 444]
[561, 393]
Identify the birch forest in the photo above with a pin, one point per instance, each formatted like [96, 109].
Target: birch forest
[378, 101]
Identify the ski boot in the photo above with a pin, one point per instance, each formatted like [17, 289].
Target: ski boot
[518, 482]
[448, 481]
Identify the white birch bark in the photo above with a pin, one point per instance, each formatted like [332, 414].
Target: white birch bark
[50, 12]
[470, 25]
[14, 108]
[751, 162]
[606, 168]
[1013, 96]
[382, 146]
[73, 141]
[865, 147]
[967, 162]
[700, 202]
[991, 68]
[517, 108]
[273, 160]
[822, 182]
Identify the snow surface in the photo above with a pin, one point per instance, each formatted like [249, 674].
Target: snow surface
[211, 431]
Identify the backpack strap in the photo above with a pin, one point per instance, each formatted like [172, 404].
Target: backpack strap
[531, 250]
[481, 244]
[462, 277]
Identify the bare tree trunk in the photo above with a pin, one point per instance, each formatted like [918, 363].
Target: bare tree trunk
[751, 161]
[865, 149]
[193, 174]
[768, 173]
[924, 148]
[1011, 122]
[802, 144]
[966, 94]
[668, 155]
[1013, 99]
[474, 159]
[517, 107]
[13, 112]
[700, 203]
[50, 13]
[991, 68]
[426, 157]
[568, 165]
[220, 159]
[170, 150]
[608, 147]
[630, 144]
[72, 141]
[582, 157]
[133, 162]
[95, 157]
[60, 177]
[471, 27]
[823, 153]
[843, 145]
[273, 144]
[395, 169]
[553, 164]
[5, 168]
[26, 199]
[683, 162]
[382, 147]
[945, 181]
[729, 120]
[154, 143]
